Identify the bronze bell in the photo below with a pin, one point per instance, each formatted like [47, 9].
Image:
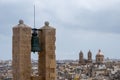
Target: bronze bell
[35, 45]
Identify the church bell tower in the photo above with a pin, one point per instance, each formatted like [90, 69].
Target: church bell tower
[23, 42]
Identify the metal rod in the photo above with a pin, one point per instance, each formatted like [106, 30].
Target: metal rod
[34, 16]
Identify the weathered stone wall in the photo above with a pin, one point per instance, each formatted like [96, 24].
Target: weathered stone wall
[47, 57]
[36, 78]
[21, 52]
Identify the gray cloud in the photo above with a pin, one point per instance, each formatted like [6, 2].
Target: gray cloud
[80, 24]
[88, 15]
[102, 18]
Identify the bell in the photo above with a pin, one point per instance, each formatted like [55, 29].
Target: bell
[35, 45]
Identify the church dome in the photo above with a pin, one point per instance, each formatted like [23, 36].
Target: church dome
[99, 53]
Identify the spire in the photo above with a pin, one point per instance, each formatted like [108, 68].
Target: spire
[81, 52]
[89, 52]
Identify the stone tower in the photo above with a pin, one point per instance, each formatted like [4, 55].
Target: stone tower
[47, 63]
[22, 53]
[81, 60]
[89, 57]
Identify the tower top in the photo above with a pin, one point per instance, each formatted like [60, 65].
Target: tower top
[21, 21]
[46, 26]
[46, 23]
[81, 53]
[99, 50]
[21, 24]
[89, 51]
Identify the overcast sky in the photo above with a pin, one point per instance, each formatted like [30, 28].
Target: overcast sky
[81, 25]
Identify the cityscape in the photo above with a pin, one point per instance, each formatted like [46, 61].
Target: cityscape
[83, 69]
[60, 40]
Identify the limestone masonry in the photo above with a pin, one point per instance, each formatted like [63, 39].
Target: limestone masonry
[21, 54]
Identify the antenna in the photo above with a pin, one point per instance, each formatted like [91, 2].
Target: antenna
[34, 15]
